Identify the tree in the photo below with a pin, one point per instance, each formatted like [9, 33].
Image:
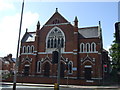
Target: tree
[115, 54]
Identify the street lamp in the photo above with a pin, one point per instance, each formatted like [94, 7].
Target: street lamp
[16, 64]
[59, 56]
[56, 55]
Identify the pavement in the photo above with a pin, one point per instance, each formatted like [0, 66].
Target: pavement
[29, 86]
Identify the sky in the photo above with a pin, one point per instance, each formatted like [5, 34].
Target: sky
[88, 13]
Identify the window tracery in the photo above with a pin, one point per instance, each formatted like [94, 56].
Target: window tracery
[55, 37]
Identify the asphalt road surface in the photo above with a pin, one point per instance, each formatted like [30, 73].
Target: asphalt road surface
[9, 87]
[21, 86]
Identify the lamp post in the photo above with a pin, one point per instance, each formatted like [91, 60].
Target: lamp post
[16, 64]
[58, 74]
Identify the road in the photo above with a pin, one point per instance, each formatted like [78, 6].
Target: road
[24, 86]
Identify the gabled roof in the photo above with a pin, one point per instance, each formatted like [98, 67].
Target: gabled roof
[89, 32]
[29, 37]
[56, 18]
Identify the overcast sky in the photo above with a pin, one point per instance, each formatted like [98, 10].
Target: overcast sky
[88, 13]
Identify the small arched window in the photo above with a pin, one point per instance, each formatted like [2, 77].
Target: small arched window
[32, 49]
[87, 47]
[38, 67]
[70, 66]
[24, 49]
[82, 47]
[28, 49]
[93, 47]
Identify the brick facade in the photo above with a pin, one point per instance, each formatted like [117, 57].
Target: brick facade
[81, 50]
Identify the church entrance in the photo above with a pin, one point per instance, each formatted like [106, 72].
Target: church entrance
[26, 70]
[62, 69]
[46, 69]
[87, 73]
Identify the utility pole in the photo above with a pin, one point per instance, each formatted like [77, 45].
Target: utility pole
[58, 74]
[16, 64]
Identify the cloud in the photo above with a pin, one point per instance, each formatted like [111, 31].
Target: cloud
[9, 30]
[6, 5]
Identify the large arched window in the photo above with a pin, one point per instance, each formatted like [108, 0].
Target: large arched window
[54, 38]
[38, 67]
[93, 47]
[82, 47]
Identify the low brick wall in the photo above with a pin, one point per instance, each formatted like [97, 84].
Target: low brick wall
[48, 80]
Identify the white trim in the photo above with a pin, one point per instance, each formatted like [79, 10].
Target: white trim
[96, 78]
[38, 62]
[47, 37]
[81, 47]
[32, 46]
[24, 49]
[75, 50]
[34, 54]
[93, 43]
[46, 61]
[91, 81]
[90, 52]
[87, 61]
[88, 66]
[27, 54]
[57, 24]
[62, 52]
[27, 65]
[75, 53]
[51, 52]
[70, 77]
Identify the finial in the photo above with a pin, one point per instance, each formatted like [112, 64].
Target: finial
[76, 19]
[99, 24]
[56, 9]
[38, 25]
[76, 22]
[26, 30]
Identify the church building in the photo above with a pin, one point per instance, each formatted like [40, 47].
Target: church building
[81, 51]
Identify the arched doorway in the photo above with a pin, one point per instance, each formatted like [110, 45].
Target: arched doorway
[26, 70]
[46, 69]
[62, 69]
[87, 73]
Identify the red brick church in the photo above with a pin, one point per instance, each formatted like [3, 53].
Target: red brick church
[82, 51]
